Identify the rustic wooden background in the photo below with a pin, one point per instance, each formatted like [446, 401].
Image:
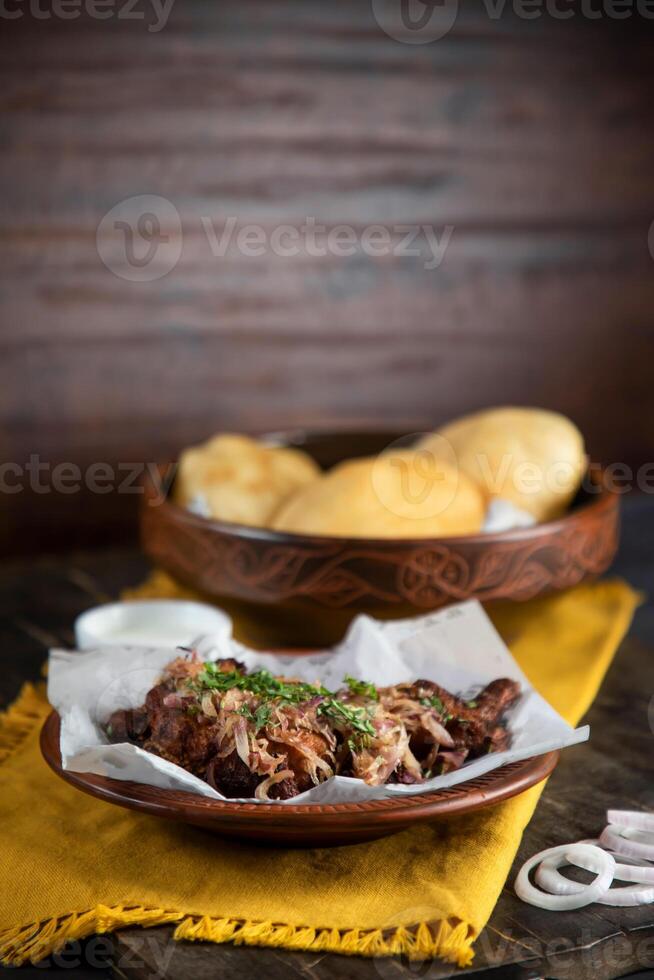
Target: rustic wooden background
[534, 139]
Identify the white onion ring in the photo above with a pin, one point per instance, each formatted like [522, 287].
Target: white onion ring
[602, 863]
[615, 838]
[626, 868]
[632, 819]
[620, 856]
[549, 878]
[629, 896]
[642, 836]
[554, 882]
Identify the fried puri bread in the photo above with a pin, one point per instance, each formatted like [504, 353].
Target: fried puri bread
[236, 478]
[399, 494]
[531, 457]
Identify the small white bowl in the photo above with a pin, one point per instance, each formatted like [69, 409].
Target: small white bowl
[149, 623]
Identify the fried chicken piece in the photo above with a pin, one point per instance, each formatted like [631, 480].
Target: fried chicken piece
[473, 725]
[296, 753]
[298, 761]
[497, 697]
[498, 739]
[164, 725]
[176, 733]
[128, 725]
[232, 778]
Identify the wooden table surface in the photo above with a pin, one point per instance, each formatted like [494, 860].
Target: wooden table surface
[39, 601]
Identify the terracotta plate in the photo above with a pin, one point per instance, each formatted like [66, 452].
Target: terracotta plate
[303, 825]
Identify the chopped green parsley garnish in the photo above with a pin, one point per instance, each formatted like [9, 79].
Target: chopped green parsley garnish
[364, 688]
[436, 703]
[357, 742]
[261, 682]
[268, 689]
[260, 717]
[356, 718]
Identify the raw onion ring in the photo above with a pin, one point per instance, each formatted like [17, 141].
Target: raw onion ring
[630, 833]
[621, 839]
[629, 896]
[602, 863]
[632, 819]
[550, 878]
[626, 868]
[556, 884]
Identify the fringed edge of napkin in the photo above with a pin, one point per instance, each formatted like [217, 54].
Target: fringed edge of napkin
[40, 940]
[451, 941]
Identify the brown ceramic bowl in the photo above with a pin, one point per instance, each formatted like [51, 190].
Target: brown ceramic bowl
[301, 590]
[303, 825]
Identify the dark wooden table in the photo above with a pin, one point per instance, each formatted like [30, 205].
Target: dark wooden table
[39, 601]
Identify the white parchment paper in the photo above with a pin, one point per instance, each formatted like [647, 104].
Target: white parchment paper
[457, 647]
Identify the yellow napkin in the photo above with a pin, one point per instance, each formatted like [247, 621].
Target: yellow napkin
[71, 865]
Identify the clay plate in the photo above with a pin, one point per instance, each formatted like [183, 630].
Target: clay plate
[303, 825]
[300, 590]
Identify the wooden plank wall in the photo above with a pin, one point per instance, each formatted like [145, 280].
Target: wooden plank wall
[533, 139]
